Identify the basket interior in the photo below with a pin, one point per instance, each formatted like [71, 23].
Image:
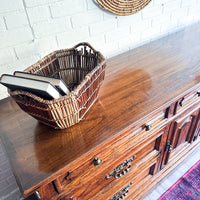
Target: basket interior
[71, 65]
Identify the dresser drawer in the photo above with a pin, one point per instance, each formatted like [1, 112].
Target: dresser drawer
[117, 189]
[185, 102]
[120, 167]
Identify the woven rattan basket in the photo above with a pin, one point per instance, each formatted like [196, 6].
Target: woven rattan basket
[82, 68]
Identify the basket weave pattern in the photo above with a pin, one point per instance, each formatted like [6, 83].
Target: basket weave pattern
[82, 68]
[123, 7]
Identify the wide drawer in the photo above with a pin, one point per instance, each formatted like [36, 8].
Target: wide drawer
[116, 189]
[122, 167]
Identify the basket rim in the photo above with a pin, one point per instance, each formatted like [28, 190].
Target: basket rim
[70, 95]
[73, 92]
[54, 54]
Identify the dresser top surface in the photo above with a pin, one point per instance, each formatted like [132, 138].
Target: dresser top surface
[136, 83]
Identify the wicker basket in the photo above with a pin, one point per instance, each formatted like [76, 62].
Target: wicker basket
[82, 68]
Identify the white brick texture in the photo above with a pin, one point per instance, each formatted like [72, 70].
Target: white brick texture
[51, 27]
[91, 5]
[68, 7]
[38, 14]
[35, 3]
[86, 18]
[2, 25]
[16, 19]
[171, 6]
[7, 55]
[16, 36]
[129, 20]
[72, 36]
[11, 5]
[103, 27]
[152, 11]
[30, 29]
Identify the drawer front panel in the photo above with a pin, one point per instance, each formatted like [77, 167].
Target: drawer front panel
[137, 175]
[187, 102]
[137, 191]
[143, 160]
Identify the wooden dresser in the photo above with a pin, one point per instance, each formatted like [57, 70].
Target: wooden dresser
[144, 123]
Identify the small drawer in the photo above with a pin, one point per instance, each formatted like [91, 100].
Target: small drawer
[156, 121]
[183, 103]
[186, 102]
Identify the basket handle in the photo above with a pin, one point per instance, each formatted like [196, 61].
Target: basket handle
[86, 44]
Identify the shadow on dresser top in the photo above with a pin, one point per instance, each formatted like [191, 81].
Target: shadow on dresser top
[136, 83]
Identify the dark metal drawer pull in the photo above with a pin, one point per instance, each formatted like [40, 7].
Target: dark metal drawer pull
[147, 127]
[97, 161]
[168, 147]
[37, 194]
[121, 169]
[181, 102]
[121, 194]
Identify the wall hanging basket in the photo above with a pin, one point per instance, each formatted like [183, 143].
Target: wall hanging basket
[123, 7]
[82, 68]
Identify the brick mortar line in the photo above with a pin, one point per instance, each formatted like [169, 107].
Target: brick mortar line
[25, 8]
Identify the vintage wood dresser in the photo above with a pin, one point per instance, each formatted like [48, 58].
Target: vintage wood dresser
[145, 122]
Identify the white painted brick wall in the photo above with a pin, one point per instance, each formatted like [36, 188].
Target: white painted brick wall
[15, 36]
[35, 3]
[103, 27]
[2, 25]
[11, 5]
[15, 19]
[86, 18]
[7, 53]
[30, 29]
[66, 38]
[39, 14]
[68, 8]
[51, 27]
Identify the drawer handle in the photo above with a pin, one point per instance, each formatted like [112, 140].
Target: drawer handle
[122, 193]
[181, 102]
[147, 127]
[121, 169]
[37, 194]
[97, 161]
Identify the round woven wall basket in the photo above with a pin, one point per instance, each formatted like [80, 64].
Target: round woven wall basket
[123, 7]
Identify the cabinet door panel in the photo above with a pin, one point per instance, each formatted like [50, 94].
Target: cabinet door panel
[196, 133]
[196, 130]
[182, 130]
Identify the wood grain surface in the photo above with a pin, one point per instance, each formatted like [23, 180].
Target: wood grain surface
[136, 83]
